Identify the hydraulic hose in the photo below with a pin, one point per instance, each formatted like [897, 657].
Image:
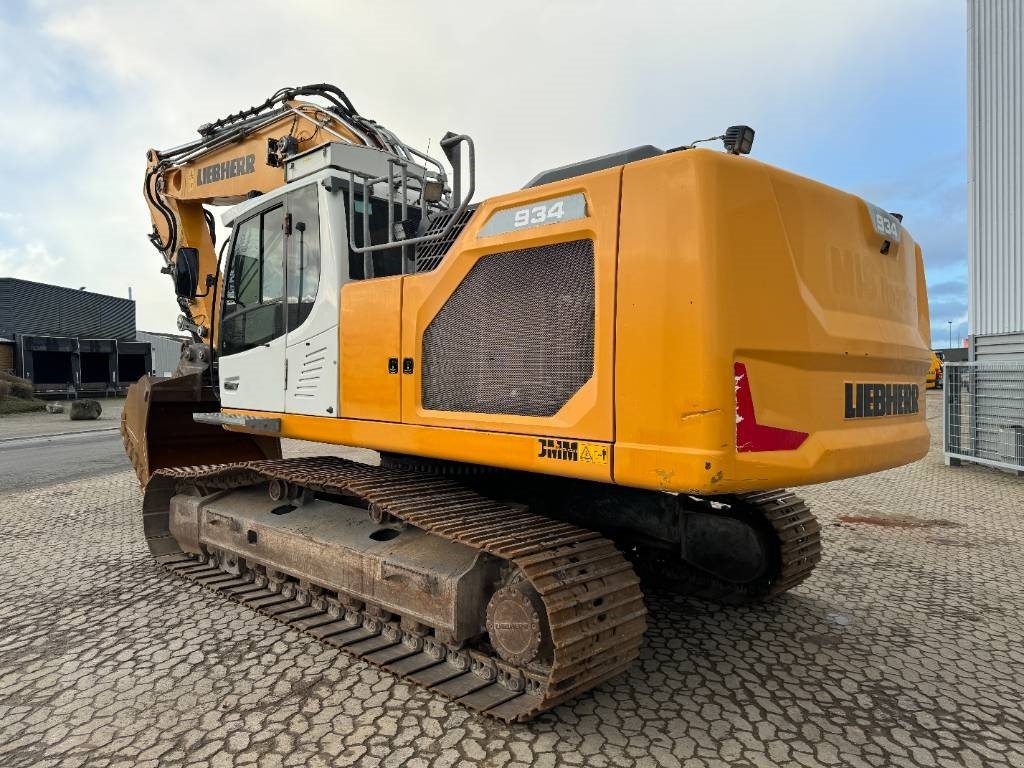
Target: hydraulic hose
[210, 223]
[172, 227]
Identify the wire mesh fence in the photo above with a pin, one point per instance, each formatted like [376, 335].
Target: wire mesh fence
[984, 414]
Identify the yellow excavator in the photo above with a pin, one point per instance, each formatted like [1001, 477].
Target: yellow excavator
[606, 376]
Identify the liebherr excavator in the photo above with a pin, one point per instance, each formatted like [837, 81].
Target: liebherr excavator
[608, 374]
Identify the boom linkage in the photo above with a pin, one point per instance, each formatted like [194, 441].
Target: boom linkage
[242, 155]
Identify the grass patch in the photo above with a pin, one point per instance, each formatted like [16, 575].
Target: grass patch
[12, 405]
[15, 386]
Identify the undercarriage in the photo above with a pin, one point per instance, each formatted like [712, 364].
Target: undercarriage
[730, 548]
[507, 593]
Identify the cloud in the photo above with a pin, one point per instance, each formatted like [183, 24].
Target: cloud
[88, 88]
[31, 260]
[947, 301]
[22, 255]
[948, 308]
[46, 93]
[932, 196]
[948, 288]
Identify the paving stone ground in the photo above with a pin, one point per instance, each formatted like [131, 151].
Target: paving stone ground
[904, 649]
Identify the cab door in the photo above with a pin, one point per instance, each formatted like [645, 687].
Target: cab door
[252, 330]
[311, 365]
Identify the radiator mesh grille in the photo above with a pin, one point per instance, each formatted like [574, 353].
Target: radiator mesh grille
[430, 254]
[517, 336]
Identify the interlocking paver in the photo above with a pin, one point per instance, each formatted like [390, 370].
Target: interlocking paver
[905, 648]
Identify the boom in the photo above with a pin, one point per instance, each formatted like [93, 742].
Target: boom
[237, 157]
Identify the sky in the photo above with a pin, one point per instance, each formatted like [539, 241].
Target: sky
[865, 95]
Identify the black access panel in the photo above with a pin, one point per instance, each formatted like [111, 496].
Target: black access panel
[134, 360]
[97, 365]
[50, 363]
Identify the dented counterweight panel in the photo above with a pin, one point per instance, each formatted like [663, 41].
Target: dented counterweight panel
[770, 330]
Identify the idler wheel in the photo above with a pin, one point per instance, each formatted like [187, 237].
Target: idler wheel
[518, 624]
[278, 490]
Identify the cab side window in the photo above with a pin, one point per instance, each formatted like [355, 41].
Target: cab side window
[387, 261]
[303, 254]
[253, 312]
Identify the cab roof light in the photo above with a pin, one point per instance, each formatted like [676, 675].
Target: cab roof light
[738, 140]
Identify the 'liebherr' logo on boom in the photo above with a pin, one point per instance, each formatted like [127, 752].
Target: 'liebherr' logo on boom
[236, 166]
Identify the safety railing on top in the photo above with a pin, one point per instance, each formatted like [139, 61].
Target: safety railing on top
[396, 182]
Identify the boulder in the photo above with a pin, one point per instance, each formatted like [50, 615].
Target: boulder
[54, 408]
[85, 410]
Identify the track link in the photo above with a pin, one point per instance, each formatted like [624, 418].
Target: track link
[794, 528]
[798, 532]
[591, 596]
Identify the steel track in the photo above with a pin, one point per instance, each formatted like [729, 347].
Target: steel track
[590, 593]
[796, 532]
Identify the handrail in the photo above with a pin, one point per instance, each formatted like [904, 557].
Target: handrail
[368, 182]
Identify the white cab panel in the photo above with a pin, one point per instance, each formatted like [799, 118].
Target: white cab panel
[254, 379]
[313, 375]
[252, 324]
[313, 345]
[296, 371]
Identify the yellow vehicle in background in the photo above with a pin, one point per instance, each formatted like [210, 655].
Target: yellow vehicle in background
[934, 380]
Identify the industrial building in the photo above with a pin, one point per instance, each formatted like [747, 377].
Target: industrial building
[166, 348]
[995, 179]
[984, 396]
[69, 342]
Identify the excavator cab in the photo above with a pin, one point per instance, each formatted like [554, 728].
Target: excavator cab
[344, 213]
[268, 308]
[272, 278]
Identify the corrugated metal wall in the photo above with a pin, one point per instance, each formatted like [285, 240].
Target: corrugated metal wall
[999, 346]
[995, 178]
[6, 309]
[166, 351]
[39, 309]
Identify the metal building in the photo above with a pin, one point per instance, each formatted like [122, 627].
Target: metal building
[71, 342]
[53, 310]
[995, 178]
[984, 397]
[166, 350]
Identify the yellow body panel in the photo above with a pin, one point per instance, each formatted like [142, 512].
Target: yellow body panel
[724, 259]
[705, 265]
[497, 449]
[371, 316]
